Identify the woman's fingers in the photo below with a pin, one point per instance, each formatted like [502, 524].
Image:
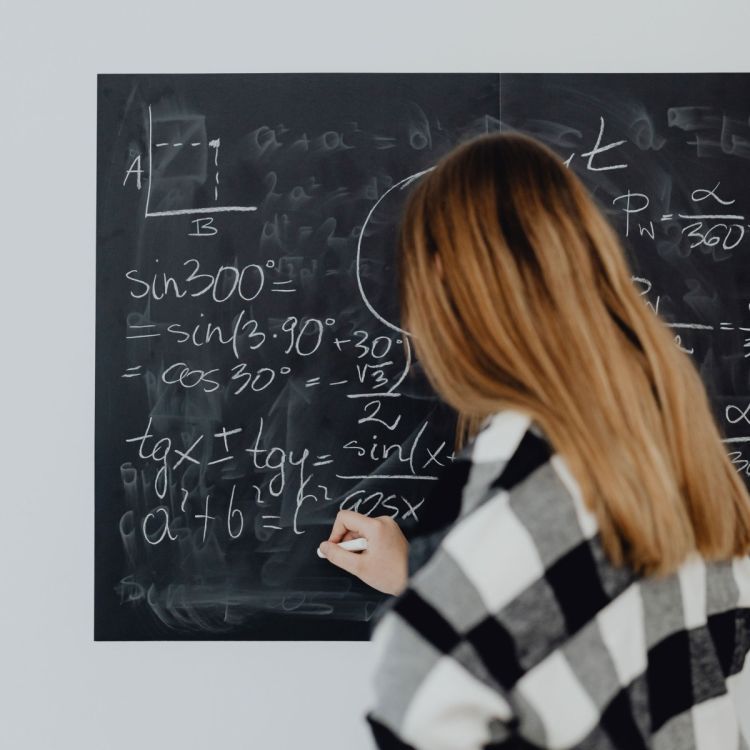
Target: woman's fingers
[348, 561]
[384, 564]
[357, 524]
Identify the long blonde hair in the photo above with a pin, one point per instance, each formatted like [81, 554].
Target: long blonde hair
[517, 293]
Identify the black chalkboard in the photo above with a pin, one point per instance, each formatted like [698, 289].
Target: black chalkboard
[251, 374]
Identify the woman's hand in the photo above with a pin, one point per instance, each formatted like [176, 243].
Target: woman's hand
[384, 564]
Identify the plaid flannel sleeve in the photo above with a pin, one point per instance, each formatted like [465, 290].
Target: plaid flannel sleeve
[430, 694]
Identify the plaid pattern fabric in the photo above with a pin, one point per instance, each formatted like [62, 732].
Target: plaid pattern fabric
[514, 631]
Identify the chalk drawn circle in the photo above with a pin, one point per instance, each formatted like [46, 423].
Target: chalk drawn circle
[361, 260]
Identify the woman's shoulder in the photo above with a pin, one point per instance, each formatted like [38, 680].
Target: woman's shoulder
[507, 485]
[521, 513]
[521, 527]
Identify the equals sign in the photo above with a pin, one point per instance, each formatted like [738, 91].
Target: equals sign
[268, 525]
[666, 217]
[384, 141]
[727, 327]
[323, 460]
[143, 335]
[132, 372]
[281, 283]
[312, 381]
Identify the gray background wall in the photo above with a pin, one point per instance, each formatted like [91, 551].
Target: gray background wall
[59, 689]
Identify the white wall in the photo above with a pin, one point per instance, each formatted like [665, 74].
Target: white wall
[59, 689]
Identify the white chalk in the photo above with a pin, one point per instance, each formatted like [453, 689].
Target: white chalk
[352, 545]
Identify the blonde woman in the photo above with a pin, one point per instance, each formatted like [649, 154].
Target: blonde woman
[592, 587]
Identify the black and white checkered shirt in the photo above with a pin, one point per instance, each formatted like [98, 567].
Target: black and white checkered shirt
[515, 631]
